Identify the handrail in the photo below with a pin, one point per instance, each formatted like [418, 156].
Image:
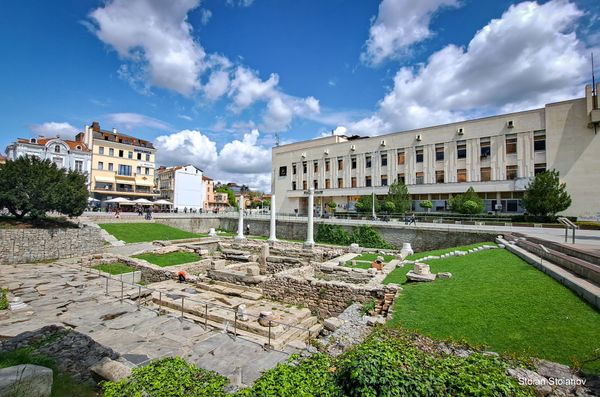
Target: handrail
[568, 225]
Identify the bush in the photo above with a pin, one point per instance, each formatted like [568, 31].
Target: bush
[366, 236]
[365, 204]
[389, 206]
[476, 205]
[332, 234]
[426, 204]
[169, 377]
[3, 299]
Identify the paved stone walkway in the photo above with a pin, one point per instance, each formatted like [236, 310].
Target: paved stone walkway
[61, 295]
[130, 249]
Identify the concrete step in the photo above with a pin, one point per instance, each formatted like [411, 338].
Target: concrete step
[229, 289]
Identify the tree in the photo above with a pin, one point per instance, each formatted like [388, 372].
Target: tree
[398, 194]
[230, 195]
[332, 205]
[457, 203]
[546, 195]
[427, 204]
[30, 186]
[389, 206]
[365, 204]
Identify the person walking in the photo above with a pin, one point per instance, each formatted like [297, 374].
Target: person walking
[413, 220]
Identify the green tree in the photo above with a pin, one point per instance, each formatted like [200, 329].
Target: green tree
[30, 186]
[457, 203]
[389, 206]
[365, 204]
[427, 204]
[546, 195]
[230, 195]
[332, 206]
[398, 194]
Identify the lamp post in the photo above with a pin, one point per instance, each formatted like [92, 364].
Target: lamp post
[374, 216]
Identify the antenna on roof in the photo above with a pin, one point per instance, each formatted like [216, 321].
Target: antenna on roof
[276, 139]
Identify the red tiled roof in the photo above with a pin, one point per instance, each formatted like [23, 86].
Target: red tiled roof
[43, 141]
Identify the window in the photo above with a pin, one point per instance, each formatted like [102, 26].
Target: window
[439, 176]
[439, 152]
[121, 153]
[340, 183]
[485, 174]
[368, 181]
[327, 183]
[353, 182]
[511, 172]
[539, 140]
[100, 150]
[461, 175]
[368, 162]
[283, 171]
[139, 156]
[147, 171]
[111, 152]
[138, 170]
[56, 148]
[304, 185]
[315, 166]
[111, 166]
[353, 162]
[100, 165]
[130, 155]
[340, 164]
[383, 159]
[293, 185]
[316, 184]
[401, 157]
[79, 166]
[327, 162]
[419, 152]
[511, 144]
[293, 169]
[539, 168]
[147, 156]
[124, 170]
[484, 148]
[304, 168]
[461, 149]
[384, 180]
[401, 178]
[420, 178]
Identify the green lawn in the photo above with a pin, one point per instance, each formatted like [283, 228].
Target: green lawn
[364, 261]
[141, 232]
[170, 259]
[496, 299]
[114, 268]
[439, 252]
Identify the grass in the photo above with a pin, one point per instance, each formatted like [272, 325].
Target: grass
[3, 299]
[143, 232]
[170, 259]
[439, 252]
[364, 261]
[496, 299]
[114, 268]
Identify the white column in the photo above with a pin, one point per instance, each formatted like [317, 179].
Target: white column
[240, 233]
[309, 227]
[272, 234]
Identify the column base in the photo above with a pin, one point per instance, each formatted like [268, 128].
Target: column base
[308, 244]
[239, 238]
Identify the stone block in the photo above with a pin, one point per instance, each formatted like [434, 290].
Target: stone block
[421, 269]
[26, 380]
[355, 248]
[412, 276]
[110, 370]
[444, 275]
[333, 323]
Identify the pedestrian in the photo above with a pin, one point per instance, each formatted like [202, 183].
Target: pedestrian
[413, 220]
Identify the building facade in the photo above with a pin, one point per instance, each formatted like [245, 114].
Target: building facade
[498, 156]
[67, 154]
[122, 165]
[183, 186]
[215, 201]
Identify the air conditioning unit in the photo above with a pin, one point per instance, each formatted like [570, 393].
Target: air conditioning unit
[326, 151]
[303, 155]
[510, 124]
[460, 131]
[353, 147]
[382, 143]
[419, 137]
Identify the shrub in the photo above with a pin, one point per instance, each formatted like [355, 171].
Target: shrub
[389, 206]
[331, 205]
[457, 203]
[366, 236]
[3, 299]
[368, 307]
[169, 377]
[332, 234]
[365, 204]
[426, 204]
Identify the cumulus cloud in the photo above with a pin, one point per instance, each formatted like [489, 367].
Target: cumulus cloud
[186, 147]
[245, 156]
[217, 85]
[135, 120]
[528, 57]
[53, 128]
[399, 24]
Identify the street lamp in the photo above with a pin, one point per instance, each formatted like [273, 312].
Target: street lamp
[374, 216]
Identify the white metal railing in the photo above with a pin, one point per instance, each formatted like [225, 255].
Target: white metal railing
[568, 226]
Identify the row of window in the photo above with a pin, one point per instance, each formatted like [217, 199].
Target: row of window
[121, 153]
[539, 144]
[59, 163]
[461, 176]
[124, 169]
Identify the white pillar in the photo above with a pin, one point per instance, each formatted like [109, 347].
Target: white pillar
[309, 227]
[272, 231]
[240, 233]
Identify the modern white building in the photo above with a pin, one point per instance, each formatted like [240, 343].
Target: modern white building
[71, 155]
[498, 156]
[183, 186]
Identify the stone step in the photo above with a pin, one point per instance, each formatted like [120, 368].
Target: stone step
[229, 289]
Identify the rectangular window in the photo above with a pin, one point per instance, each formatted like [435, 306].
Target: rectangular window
[100, 165]
[539, 140]
[419, 153]
[384, 180]
[511, 144]
[401, 178]
[461, 175]
[110, 166]
[327, 162]
[100, 150]
[79, 166]
[368, 181]
[316, 166]
[121, 153]
[139, 156]
[124, 170]
[316, 184]
[353, 162]
[368, 162]
[539, 168]
[383, 160]
[304, 185]
[401, 157]
[111, 152]
[293, 169]
[327, 183]
[130, 155]
[420, 178]
[340, 164]
[485, 174]
[439, 152]
[353, 182]
[147, 156]
[294, 185]
[138, 170]
[147, 171]
[283, 171]
[485, 149]
[511, 172]
[304, 167]
[439, 176]
[461, 149]
[340, 183]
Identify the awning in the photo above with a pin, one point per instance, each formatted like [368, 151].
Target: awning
[142, 182]
[104, 179]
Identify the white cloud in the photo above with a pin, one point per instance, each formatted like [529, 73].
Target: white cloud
[53, 129]
[135, 120]
[247, 88]
[186, 147]
[185, 117]
[155, 35]
[245, 156]
[528, 57]
[217, 85]
[205, 16]
[240, 3]
[399, 24]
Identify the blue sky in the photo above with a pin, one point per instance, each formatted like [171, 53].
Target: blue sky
[211, 82]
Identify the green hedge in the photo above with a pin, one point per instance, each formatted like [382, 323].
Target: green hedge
[364, 235]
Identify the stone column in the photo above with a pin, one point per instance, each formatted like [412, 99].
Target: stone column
[309, 227]
[272, 229]
[240, 233]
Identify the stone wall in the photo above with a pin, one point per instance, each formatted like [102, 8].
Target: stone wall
[191, 224]
[33, 245]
